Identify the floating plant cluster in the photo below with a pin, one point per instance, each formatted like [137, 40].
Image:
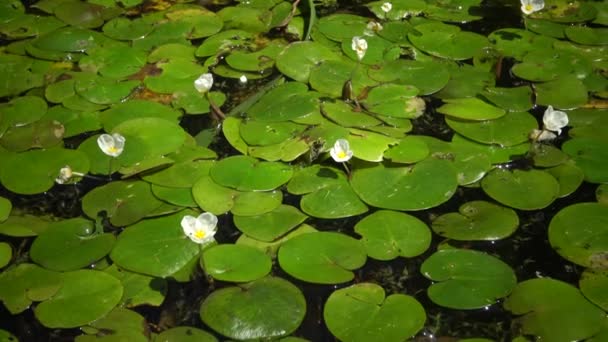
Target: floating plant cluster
[333, 128]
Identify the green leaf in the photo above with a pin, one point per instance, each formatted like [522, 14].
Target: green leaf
[245, 173]
[139, 289]
[519, 189]
[70, 244]
[467, 279]
[185, 334]
[266, 308]
[235, 263]
[157, 247]
[323, 258]
[389, 234]
[25, 283]
[85, 296]
[361, 312]
[470, 109]
[477, 220]
[271, 225]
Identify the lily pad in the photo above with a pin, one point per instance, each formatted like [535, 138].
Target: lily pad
[157, 247]
[139, 289]
[271, 225]
[118, 324]
[333, 77]
[70, 245]
[35, 171]
[297, 59]
[470, 109]
[554, 310]
[592, 285]
[446, 41]
[509, 130]
[389, 234]
[235, 263]
[516, 99]
[288, 101]
[218, 199]
[124, 202]
[84, 297]
[519, 189]
[6, 254]
[341, 26]
[420, 186]
[467, 279]
[266, 308]
[25, 283]
[259, 133]
[5, 208]
[185, 334]
[344, 115]
[181, 175]
[23, 225]
[379, 318]
[427, 76]
[322, 258]
[136, 108]
[566, 92]
[579, 233]
[589, 155]
[477, 220]
[245, 173]
[394, 100]
[326, 192]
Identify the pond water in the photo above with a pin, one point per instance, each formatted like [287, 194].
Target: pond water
[318, 170]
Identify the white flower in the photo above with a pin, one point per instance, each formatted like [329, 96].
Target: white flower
[542, 135]
[386, 7]
[65, 174]
[359, 45]
[372, 28]
[531, 6]
[555, 120]
[243, 79]
[203, 83]
[200, 229]
[341, 151]
[112, 145]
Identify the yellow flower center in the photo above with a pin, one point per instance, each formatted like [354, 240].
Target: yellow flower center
[342, 155]
[529, 7]
[112, 149]
[199, 234]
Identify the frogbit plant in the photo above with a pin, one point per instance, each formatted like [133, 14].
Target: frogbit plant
[386, 7]
[553, 121]
[66, 173]
[112, 145]
[372, 28]
[530, 6]
[200, 229]
[341, 153]
[359, 45]
[204, 83]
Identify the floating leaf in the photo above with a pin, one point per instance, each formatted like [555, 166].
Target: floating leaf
[84, 297]
[576, 233]
[467, 279]
[25, 283]
[509, 130]
[389, 234]
[394, 100]
[156, 247]
[235, 263]
[266, 308]
[421, 186]
[288, 101]
[185, 334]
[593, 284]
[470, 109]
[245, 173]
[519, 189]
[70, 245]
[297, 59]
[477, 220]
[5, 208]
[427, 76]
[119, 324]
[446, 41]
[139, 289]
[362, 313]
[6, 254]
[591, 156]
[554, 310]
[323, 258]
[271, 225]
[566, 92]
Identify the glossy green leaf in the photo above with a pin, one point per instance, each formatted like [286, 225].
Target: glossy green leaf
[578, 233]
[5, 208]
[235, 263]
[6, 254]
[508, 130]
[271, 225]
[389, 234]
[477, 220]
[297, 59]
[139, 289]
[446, 41]
[25, 283]
[185, 334]
[245, 173]
[519, 189]
[157, 247]
[118, 324]
[554, 310]
[85, 296]
[378, 317]
[467, 279]
[70, 245]
[289, 101]
[589, 155]
[266, 308]
[470, 109]
[420, 186]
